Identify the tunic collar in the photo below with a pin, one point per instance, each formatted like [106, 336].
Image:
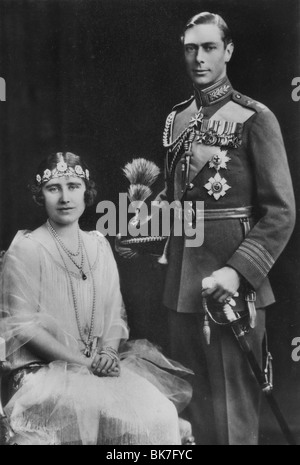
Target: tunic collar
[214, 93]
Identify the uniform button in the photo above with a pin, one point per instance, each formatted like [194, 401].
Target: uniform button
[191, 186]
[238, 96]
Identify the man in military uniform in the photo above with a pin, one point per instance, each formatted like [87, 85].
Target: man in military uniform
[226, 150]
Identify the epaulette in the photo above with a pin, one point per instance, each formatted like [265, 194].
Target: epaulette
[184, 104]
[248, 102]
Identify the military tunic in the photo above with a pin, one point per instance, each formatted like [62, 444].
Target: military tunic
[226, 150]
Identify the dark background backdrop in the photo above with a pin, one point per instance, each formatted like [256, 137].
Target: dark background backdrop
[98, 77]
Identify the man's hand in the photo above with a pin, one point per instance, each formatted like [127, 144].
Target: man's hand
[226, 284]
[124, 252]
[103, 365]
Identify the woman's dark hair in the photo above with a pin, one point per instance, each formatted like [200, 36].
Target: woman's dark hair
[50, 163]
[209, 18]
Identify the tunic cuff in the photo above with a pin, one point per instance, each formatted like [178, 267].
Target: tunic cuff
[252, 261]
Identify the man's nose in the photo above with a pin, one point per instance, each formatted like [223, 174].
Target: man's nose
[200, 55]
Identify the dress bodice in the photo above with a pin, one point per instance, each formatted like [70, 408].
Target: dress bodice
[44, 284]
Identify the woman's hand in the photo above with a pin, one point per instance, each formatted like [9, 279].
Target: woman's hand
[104, 365]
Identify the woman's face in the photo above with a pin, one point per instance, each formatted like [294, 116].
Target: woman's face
[64, 199]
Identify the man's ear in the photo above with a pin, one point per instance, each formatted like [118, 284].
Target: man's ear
[229, 51]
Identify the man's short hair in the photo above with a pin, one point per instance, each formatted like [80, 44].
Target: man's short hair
[209, 18]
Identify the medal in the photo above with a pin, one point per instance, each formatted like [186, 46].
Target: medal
[217, 186]
[219, 161]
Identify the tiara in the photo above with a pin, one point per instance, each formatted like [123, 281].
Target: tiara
[62, 169]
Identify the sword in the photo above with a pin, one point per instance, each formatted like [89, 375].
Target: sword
[261, 377]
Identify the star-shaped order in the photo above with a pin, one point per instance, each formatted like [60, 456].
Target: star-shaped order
[217, 186]
[219, 161]
[196, 120]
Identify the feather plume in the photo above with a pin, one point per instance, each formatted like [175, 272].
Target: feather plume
[138, 192]
[141, 171]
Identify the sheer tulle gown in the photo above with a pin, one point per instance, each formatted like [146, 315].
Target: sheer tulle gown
[62, 403]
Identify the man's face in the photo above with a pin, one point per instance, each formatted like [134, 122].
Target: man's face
[205, 54]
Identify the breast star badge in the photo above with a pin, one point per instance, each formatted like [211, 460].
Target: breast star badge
[219, 161]
[197, 120]
[217, 186]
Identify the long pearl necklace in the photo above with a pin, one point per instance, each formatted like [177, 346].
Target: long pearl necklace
[68, 252]
[88, 342]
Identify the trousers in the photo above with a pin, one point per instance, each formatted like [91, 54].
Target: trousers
[224, 409]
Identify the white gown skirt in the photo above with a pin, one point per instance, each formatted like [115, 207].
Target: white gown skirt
[66, 404]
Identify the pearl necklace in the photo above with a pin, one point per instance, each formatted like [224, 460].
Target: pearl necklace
[89, 341]
[67, 251]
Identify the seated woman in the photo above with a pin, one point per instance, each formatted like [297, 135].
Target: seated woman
[63, 320]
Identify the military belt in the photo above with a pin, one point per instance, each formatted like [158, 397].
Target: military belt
[190, 213]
